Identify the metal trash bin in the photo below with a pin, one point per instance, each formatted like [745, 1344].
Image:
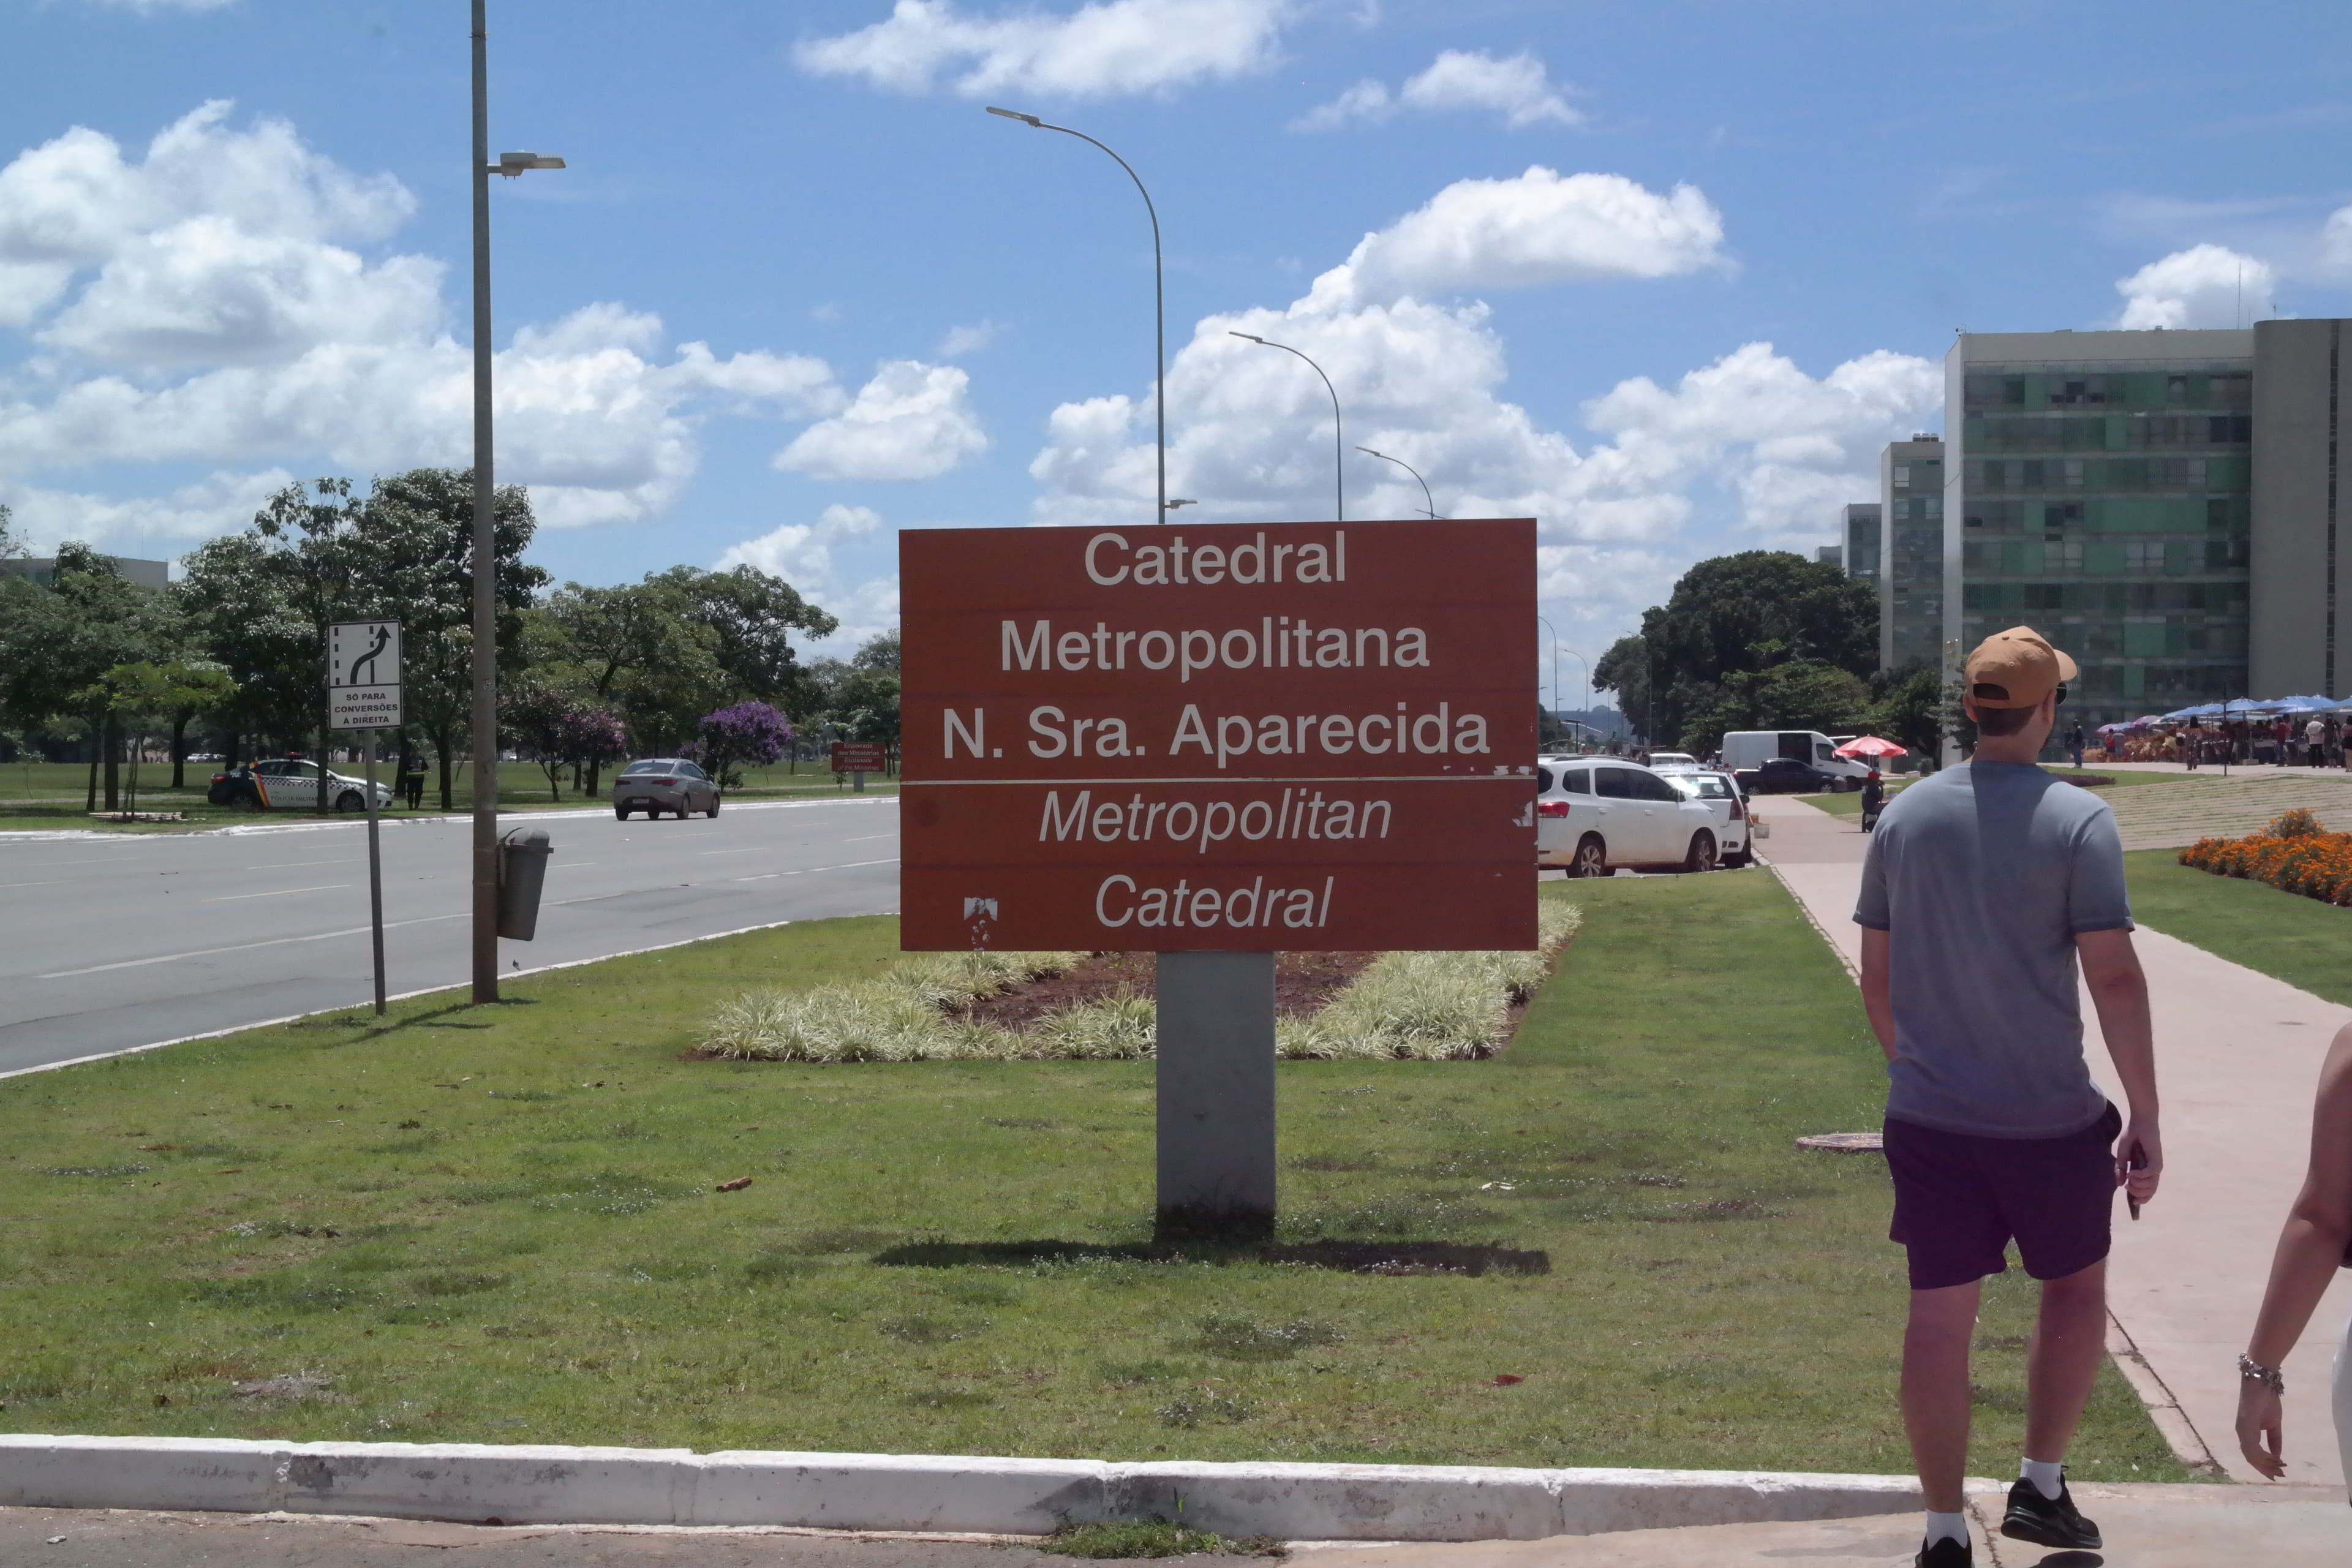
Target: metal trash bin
[522, 870]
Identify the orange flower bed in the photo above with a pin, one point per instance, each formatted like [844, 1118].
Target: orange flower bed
[2295, 853]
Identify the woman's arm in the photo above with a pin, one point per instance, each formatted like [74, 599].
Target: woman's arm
[2310, 1248]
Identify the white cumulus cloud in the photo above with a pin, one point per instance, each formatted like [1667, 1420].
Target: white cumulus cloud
[1105, 49]
[215, 301]
[139, 525]
[1537, 227]
[2204, 286]
[910, 422]
[958, 341]
[1519, 88]
[803, 554]
[1750, 450]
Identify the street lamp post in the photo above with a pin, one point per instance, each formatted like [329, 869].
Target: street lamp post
[1338, 444]
[1159, 298]
[1428, 510]
[1554, 662]
[485, 549]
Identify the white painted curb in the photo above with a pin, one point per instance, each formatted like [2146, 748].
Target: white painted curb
[926, 1493]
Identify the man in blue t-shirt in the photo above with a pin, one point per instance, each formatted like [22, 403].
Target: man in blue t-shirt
[1984, 887]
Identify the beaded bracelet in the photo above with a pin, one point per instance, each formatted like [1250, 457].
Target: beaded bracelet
[2269, 1377]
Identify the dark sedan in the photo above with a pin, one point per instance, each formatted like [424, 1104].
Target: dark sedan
[1787, 775]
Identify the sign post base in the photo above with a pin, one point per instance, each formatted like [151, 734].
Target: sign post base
[1216, 1077]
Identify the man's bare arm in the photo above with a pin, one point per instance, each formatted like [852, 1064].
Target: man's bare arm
[2119, 992]
[1874, 988]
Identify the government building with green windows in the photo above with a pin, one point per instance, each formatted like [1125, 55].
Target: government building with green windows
[2160, 504]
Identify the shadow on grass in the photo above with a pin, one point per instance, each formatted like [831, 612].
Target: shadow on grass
[1342, 1257]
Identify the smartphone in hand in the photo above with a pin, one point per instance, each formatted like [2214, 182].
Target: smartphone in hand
[2139, 1162]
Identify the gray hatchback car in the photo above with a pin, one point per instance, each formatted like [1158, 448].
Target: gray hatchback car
[663, 784]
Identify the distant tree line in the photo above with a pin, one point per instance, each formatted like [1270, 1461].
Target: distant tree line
[1766, 640]
[94, 667]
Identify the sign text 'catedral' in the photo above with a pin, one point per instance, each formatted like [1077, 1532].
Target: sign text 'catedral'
[1240, 737]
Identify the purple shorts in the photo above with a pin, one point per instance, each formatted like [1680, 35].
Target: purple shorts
[1960, 1198]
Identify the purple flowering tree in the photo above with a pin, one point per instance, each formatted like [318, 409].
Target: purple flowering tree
[749, 733]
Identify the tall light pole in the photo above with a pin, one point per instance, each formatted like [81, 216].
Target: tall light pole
[1338, 444]
[486, 545]
[1159, 298]
[1428, 510]
[1554, 662]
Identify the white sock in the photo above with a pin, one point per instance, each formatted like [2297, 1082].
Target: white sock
[1946, 1526]
[2047, 1480]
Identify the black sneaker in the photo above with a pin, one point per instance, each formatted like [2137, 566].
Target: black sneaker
[1944, 1554]
[2047, 1521]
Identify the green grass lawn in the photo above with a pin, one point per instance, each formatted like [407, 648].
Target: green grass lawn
[2285, 935]
[51, 796]
[499, 1224]
[1851, 805]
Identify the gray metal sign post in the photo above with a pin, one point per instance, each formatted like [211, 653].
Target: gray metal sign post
[363, 694]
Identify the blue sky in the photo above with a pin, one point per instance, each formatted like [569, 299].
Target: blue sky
[1665, 276]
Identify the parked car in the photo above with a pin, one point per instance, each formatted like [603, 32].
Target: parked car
[1787, 775]
[663, 784]
[1724, 799]
[1594, 815]
[288, 783]
[1673, 762]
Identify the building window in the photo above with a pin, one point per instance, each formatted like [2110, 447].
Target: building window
[2143, 555]
[1902, 476]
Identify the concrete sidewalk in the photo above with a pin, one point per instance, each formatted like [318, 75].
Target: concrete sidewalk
[2238, 1054]
[2145, 1527]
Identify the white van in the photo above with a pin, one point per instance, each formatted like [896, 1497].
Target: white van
[1746, 749]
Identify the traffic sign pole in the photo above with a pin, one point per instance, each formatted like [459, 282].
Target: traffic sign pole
[364, 693]
[375, 869]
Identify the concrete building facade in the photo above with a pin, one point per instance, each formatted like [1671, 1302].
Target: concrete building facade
[1860, 529]
[2099, 488]
[1912, 591]
[146, 573]
[2300, 585]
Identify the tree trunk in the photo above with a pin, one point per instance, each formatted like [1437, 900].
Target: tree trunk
[180, 752]
[91, 803]
[441, 740]
[111, 737]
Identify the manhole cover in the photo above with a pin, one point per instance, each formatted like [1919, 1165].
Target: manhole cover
[1845, 1142]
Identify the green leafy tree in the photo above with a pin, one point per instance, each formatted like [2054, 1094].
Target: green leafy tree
[140, 699]
[57, 640]
[752, 617]
[1740, 614]
[416, 550]
[1913, 712]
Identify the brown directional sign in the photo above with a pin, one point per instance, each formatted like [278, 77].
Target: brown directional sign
[860, 757]
[1235, 736]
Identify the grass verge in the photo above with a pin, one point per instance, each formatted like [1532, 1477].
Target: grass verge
[499, 1225]
[1850, 804]
[2285, 935]
[1153, 1538]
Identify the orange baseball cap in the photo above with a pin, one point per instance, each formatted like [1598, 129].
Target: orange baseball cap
[2016, 668]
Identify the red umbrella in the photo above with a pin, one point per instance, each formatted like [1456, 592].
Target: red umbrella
[1871, 746]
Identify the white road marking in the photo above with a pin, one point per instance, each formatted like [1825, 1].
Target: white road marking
[282, 864]
[54, 882]
[810, 870]
[278, 893]
[247, 946]
[865, 837]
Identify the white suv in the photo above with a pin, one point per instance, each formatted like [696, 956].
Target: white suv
[1596, 814]
[1720, 793]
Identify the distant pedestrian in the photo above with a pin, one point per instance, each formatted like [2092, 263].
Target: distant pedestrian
[2075, 742]
[1983, 889]
[2316, 1239]
[412, 779]
[2314, 744]
[1873, 800]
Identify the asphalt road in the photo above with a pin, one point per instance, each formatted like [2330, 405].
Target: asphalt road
[111, 942]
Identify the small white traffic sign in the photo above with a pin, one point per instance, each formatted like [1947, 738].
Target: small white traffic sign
[364, 675]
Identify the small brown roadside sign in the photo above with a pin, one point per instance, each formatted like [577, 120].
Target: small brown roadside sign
[1240, 737]
[860, 757]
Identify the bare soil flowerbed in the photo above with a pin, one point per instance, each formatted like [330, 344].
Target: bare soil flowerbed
[1303, 983]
